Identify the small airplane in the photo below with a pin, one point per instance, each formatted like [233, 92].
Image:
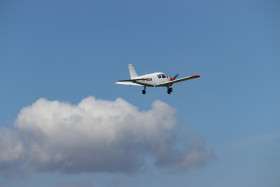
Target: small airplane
[152, 80]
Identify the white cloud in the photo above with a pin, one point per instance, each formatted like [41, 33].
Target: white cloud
[103, 136]
[11, 151]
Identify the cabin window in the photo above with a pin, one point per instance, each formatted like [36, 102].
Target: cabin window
[163, 76]
[159, 76]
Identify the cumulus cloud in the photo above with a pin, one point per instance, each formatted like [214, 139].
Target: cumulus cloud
[100, 136]
[11, 151]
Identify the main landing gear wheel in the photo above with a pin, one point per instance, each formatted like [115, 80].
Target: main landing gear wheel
[144, 91]
[169, 90]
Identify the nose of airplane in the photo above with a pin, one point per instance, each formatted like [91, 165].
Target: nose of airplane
[171, 79]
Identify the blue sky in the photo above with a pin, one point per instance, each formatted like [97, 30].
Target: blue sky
[69, 50]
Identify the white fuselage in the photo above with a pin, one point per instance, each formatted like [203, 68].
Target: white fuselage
[152, 80]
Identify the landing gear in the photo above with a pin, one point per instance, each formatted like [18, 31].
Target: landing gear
[144, 91]
[169, 90]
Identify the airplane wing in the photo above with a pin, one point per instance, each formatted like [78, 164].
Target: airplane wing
[178, 80]
[128, 83]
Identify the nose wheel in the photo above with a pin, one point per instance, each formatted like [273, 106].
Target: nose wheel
[169, 90]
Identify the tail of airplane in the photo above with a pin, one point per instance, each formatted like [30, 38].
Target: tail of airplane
[132, 71]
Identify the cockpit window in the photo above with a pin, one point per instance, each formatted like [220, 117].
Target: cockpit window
[163, 76]
[159, 76]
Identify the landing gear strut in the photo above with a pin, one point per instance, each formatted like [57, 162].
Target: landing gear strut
[144, 91]
[169, 90]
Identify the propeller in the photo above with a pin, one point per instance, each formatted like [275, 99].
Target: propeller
[173, 78]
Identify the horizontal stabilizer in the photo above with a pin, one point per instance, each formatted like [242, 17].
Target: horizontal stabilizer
[128, 83]
[131, 80]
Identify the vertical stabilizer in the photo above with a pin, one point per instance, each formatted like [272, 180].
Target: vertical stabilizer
[132, 72]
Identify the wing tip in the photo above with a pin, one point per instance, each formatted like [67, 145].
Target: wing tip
[196, 76]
